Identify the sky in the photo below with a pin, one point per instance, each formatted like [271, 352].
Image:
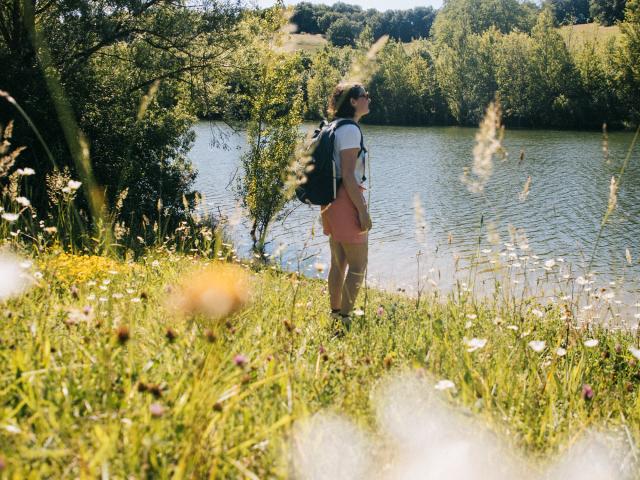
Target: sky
[377, 4]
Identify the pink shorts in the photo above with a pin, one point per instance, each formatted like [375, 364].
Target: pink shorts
[340, 219]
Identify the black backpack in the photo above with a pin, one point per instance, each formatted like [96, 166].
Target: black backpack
[321, 184]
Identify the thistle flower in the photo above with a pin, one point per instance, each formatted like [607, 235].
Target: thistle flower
[171, 334]
[240, 360]
[587, 392]
[157, 410]
[122, 333]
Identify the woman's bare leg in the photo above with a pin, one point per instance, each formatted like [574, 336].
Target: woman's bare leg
[357, 256]
[336, 273]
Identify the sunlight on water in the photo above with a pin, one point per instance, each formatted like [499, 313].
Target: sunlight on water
[469, 240]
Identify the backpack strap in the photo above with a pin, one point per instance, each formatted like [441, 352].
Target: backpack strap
[348, 121]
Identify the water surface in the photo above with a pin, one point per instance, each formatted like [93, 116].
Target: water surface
[559, 219]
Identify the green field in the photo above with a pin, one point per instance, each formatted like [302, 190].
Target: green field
[576, 35]
[102, 376]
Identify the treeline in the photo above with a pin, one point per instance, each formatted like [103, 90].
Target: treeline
[342, 23]
[605, 12]
[477, 53]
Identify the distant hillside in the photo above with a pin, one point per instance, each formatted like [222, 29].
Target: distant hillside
[304, 41]
[576, 35]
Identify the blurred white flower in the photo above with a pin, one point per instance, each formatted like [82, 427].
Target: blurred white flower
[25, 172]
[320, 267]
[74, 184]
[550, 263]
[13, 280]
[591, 343]
[475, 344]
[444, 385]
[24, 201]
[581, 281]
[471, 316]
[561, 352]
[537, 313]
[10, 217]
[635, 352]
[537, 345]
[358, 312]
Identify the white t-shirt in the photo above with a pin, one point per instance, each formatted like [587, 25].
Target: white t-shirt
[348, 136]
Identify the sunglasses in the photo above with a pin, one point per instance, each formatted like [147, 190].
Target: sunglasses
[365, 95]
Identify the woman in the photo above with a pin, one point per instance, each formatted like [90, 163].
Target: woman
[346, 220]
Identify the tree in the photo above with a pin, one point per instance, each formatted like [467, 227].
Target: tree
[513, 72]
[272, 132]
[404, 88]
[553, 74]
[82, 70]
[458, 17]
[325, 75]
[628, 61]
[569, 12]
[607, 12]
[344, 32]
[305, 18]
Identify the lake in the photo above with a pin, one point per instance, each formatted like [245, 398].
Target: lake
[559, 220]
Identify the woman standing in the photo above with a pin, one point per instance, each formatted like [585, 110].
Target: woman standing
[346, 220]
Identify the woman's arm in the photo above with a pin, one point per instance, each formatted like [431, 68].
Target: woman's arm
[348, 159]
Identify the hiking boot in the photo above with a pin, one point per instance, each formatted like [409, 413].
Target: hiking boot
[341, 324]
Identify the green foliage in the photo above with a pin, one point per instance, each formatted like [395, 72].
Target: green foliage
[570, 12]
[552, 75]
[628, 60]
[404, 87]
[105, 60]
[607, 12]
[272, 131]
[403, 25]
[460, 18]
[327, 68]
[343, 32]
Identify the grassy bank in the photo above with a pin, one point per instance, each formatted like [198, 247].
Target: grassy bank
[102, 377]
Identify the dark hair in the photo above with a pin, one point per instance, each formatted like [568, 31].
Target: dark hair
[339, 102]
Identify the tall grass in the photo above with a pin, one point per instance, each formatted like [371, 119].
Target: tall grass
[102, 376]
